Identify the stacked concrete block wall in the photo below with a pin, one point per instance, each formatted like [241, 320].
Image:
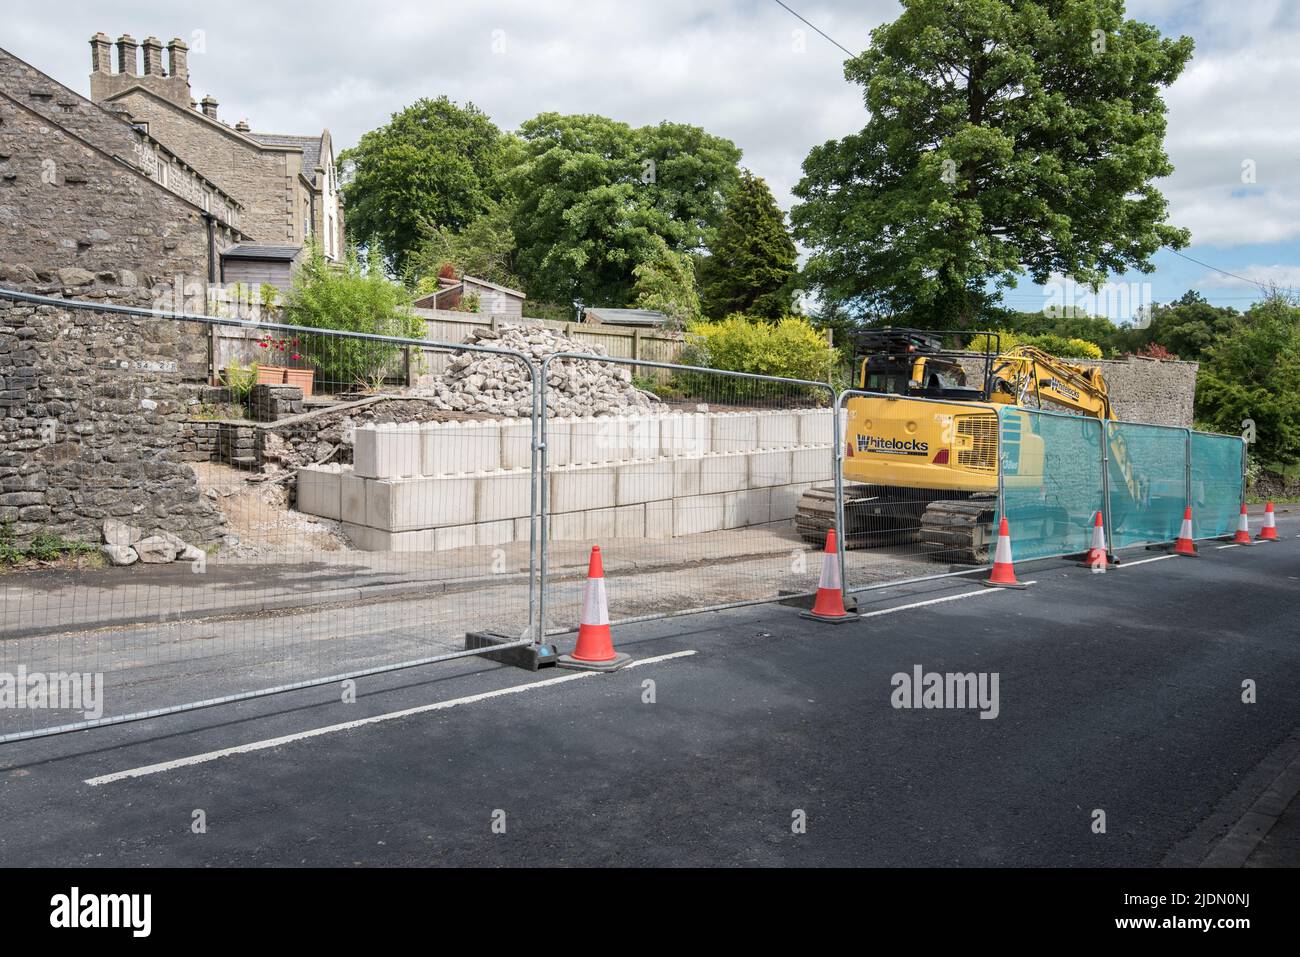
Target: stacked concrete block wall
[434, 486]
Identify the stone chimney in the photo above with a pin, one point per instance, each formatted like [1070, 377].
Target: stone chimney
[209, 105]
[101, 54]
[243, 126]
[126, 55]
[178, 59]
[153, 57]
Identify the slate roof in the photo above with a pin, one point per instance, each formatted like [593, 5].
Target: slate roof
[310, 148]
[256, 251]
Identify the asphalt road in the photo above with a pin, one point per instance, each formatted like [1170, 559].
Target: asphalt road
[1119, 693]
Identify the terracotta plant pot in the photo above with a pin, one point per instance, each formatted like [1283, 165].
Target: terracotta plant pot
[302, 378]
[271, 375]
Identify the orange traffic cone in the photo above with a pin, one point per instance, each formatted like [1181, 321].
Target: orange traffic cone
[1097, 557]
[1243, 528]
[1004, 571]
[595, 648]
[1269, 532]
[829, 606]
[1184, 545]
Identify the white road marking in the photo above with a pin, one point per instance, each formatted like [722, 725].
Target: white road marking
[1221, 547]
[935, 601]
[1143, 561]
[359, 723]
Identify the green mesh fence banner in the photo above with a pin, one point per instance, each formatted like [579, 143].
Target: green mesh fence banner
[1216, 484]
[1148, 482]
[1052, 481]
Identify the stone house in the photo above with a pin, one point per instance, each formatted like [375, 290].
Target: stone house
[287, 185]
[94, 406]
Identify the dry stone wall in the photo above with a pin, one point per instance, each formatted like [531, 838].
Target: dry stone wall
[92, 408]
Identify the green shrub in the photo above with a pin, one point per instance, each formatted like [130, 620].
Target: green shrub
[240, 379]
[45, 547]
[350, 297]
[1050, 343]
[790, 348]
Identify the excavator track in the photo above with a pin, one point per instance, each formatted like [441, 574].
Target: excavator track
[949, 530]
[873, 516]
[959, 530]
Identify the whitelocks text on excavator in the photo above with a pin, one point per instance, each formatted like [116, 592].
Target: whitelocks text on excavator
[922, 455]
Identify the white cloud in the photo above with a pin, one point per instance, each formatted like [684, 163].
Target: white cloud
[731, 66]
[1284, 276]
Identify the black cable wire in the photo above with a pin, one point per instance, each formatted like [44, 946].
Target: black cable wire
[818, 29]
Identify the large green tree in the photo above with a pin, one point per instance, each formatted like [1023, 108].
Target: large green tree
[434, 165]
[594, 197]
[1005, 137]
[485, 248]
[1188, 327]
[1250, 381]
[666, 282]
[751, 265]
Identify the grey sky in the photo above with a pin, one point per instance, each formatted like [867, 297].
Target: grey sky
[739, 68]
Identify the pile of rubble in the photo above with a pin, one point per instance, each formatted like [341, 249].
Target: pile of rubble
[125, 545]
[499, 385]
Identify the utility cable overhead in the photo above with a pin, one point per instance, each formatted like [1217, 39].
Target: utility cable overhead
[817, 28]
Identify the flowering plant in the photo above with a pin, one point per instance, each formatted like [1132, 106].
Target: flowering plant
[284, 349]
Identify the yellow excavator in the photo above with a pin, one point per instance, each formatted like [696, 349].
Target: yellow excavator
[927, 471]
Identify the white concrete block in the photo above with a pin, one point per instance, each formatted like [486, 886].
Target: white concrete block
[659, 519]
[523, 529]
[785, 501]
[769, 468]
[567, 527]
[686, 476]
[698, 513]
[644, 482]
[749, 506]
[450, 448]
[453, 536]
[584, 441]
[724, 473]
[319, 492]
[601, 525]
[643, 436]
[558, 442]
[735, 432]
[629, 521]
[365, 538]
[812, 465]
[613, 442]
[378, 540]
[816, 427]
[778, 430]
[517, 444]
[685, 433]
[578, 488]
[495, 533]
[503, 495]
[387, 451]
[400, 505]
[352, 508]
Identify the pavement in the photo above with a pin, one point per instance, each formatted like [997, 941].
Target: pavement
[748, 737]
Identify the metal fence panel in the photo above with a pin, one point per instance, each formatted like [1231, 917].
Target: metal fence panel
[1052, 481]
[1147, 482]
[920, 481]
[1217, 483]
[688, 484]
[268, 542]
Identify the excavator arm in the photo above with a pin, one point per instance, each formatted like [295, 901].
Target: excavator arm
[1030, 375]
